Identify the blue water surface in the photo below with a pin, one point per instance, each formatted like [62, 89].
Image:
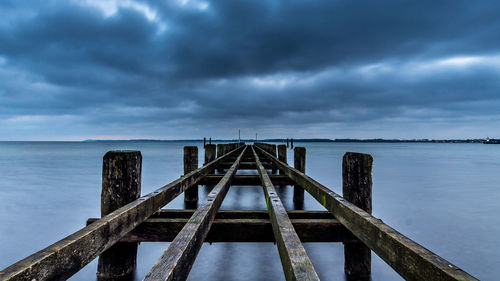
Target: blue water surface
[444, 196]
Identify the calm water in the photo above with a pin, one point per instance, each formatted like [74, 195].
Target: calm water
[444, 196]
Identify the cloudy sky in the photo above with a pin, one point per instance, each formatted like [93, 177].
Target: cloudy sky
[72, 70]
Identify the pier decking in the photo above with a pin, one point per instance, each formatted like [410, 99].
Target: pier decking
[128, 218]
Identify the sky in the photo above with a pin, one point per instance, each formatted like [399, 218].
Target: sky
[177, 69]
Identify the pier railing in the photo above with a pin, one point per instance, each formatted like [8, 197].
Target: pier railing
[128, 219]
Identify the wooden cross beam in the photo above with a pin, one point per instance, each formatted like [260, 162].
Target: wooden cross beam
[246, 180]
[240, 226]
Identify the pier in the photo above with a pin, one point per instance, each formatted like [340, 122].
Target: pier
[127, 218]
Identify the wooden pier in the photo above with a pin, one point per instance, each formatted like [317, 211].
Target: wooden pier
[128, 218]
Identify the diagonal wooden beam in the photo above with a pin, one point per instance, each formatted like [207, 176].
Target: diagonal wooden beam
[64, 258]
[177, 260]
[294, 259]
[406, 257]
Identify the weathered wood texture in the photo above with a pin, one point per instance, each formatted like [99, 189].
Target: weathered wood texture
[299, 162]
[246, 180]
[62, 259]
[270, 148]
[409, 259]
[191, 164]
[210, 153]
[294, 259]
[241, 226]
[177, 260]
[121, 184]
[282, 154]
[357, 189]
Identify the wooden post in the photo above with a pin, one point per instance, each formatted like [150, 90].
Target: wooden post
[299, 163]
[209, 153]
[287, 144]
[220, 152]
[121, 184]
[210, 140]
[291, 143]
[282, 153]
[204, 141]
[191, 164]
[357, 189]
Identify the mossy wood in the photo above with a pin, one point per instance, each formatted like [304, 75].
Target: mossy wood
[240, 226]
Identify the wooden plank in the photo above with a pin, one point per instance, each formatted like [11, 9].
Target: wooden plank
[294, 259]
[236, 226]
[246, 180]
[406, 257]
[65, 257]
[177, 260]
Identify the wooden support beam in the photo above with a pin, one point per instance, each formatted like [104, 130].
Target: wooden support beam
[246, 180]
[121, 184]
[191, 164]
[294, 259]
[357, 189]
[65, 257]
[244, 214]
[240, 226]
[177, 260]
[406, 257]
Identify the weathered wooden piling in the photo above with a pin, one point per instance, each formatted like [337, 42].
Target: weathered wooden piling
[357, 189]
[191, 164]
[210, 140]
[299, 163]
[220, 152]
[287, 144]
[204, 142]
[282, 153]
[210, 153]
[291, 143]
[121, 184]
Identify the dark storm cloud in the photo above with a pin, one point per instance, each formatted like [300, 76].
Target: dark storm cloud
[133, 68]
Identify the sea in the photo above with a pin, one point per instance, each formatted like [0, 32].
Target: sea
[445, 197]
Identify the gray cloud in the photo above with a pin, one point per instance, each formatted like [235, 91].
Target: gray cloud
[77, 69]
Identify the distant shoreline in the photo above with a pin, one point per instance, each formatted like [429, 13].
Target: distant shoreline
[378, 140]
[482, 141]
